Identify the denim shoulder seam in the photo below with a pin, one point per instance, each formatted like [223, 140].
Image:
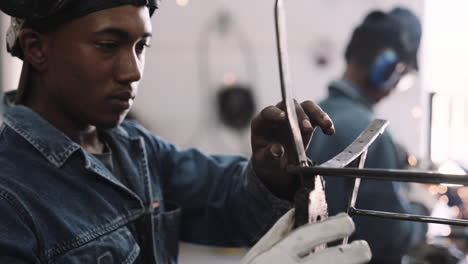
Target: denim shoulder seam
[2, 128]
[15, 204]
[70, 149]
[25, 136]
[23, 213]
[29, 139]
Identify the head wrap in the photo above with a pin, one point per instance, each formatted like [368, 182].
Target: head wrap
[43, 14]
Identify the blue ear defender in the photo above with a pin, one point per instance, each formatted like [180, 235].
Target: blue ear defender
[382, 70]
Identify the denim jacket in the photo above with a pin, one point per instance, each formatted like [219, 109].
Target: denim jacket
[59, 204]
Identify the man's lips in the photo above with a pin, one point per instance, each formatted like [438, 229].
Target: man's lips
[122, 100]
[123, 95]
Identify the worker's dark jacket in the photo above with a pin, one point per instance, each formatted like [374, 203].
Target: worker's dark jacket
[352, 111]
[59, 204]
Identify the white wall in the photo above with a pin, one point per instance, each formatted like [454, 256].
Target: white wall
[10, 66]
[446, 42]
[446, 73]
[173, 103]
[180, 110]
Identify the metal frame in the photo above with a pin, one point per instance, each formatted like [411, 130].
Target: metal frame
[335, 168]
[388, 175]
[357, 150]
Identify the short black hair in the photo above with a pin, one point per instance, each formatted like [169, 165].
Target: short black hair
[377, 32]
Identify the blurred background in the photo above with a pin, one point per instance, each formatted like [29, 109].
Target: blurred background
[202, 47]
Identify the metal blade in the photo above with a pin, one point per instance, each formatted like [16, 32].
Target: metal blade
[311, 196]
[286, 82]
[359, 145]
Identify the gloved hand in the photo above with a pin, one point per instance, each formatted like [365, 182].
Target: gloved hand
[280, 245]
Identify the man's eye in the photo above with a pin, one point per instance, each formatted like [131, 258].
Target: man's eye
[107, 46]
[140, 47]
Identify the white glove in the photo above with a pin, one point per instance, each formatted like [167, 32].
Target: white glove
[280, 245]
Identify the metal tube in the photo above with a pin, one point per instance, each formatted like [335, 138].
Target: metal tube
[286, 82]
[409, 217]
[390, 175]
[383, 175]
[355, 190]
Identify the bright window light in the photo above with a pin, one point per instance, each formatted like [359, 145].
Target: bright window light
[449, 128]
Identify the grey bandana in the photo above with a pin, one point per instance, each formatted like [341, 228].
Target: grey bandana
[42, 14]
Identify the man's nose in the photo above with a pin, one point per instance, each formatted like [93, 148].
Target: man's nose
[129, 68]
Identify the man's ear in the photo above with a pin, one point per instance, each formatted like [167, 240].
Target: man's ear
[34, 46]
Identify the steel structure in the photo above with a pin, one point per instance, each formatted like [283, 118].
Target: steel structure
[311, 175]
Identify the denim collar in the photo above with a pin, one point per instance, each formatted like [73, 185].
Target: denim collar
[349, 89]
[53, 144]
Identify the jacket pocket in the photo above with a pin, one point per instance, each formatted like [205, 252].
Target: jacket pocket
[166, 227]
[119, 246]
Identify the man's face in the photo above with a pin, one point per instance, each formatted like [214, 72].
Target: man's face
[95, 64]
[408, 77]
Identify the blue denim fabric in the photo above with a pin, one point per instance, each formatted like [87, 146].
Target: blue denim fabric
[59, 204]
[351, 112]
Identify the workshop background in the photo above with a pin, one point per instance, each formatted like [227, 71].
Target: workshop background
[202, 46]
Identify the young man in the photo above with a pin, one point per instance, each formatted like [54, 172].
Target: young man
[381, 51]
[80, 185]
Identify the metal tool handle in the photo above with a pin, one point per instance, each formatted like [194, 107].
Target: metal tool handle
[286, 81]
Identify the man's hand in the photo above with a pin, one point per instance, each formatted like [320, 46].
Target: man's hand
[280, 245]
[272, 144]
